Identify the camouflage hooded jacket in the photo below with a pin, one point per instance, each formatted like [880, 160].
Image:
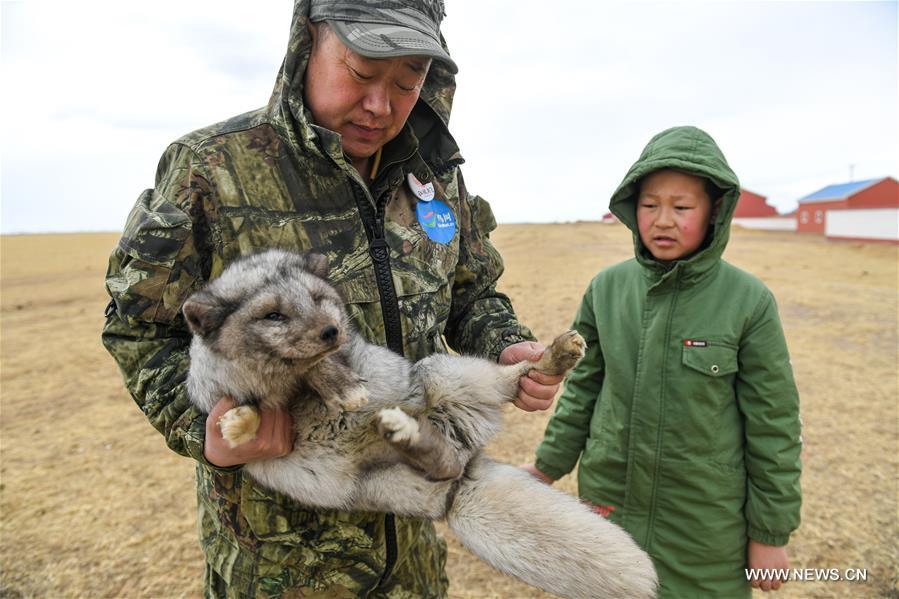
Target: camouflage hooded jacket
[272, 178]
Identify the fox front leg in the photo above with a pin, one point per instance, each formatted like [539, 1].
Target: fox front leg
[239, 425]
[337, 385]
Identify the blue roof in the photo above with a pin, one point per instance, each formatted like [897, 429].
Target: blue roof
[840, 191]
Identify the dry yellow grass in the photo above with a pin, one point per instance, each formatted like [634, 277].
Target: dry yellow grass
[94, 505]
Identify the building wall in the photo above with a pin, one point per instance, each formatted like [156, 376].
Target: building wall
[811, 217]
[769, 223]
[884, 194]
[751, 205]
[869, 224]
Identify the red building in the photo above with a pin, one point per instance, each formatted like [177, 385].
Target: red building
[811, 216]
[609, 219]
[752, 205]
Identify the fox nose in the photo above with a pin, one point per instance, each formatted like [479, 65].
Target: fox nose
[329, 334]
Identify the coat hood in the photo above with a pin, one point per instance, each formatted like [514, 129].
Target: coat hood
[693, 151]
[429, 118]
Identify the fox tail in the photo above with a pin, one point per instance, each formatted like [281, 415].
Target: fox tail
[545, 537]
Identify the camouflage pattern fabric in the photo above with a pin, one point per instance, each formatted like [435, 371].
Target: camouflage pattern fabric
[270, 178]
[287, 550]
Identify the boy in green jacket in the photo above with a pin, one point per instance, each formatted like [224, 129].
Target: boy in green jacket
[684, 412]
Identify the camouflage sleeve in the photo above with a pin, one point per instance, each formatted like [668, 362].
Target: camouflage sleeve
[482, 321]
[154, 267]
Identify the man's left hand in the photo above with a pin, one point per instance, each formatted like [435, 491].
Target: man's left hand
[536, 391]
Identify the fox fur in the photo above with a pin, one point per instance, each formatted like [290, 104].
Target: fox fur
[375, 432]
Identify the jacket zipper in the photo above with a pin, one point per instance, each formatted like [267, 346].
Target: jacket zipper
[373, 221]
[653, 501]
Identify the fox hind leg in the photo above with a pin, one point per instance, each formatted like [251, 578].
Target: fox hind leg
[560, 357]
[421, 445]
[398, 427]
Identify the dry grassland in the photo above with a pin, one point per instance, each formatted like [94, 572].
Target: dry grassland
[94, 505]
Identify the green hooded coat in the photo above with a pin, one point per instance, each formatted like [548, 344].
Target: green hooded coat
[684, 412]
[272, 178]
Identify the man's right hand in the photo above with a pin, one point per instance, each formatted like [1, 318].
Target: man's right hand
[274, 439]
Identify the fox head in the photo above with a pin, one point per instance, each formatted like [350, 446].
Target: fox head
[274, 306]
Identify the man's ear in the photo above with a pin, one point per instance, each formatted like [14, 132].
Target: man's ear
[203, 313]
[317, 265]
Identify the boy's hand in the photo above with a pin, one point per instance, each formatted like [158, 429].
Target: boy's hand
[767, 557]
[532, 470]
[274, 438]
[536, 391]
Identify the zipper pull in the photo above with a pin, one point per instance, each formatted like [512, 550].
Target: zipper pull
[377, 247]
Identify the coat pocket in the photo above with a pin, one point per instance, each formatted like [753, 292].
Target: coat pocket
[702, 397]
[275, 518]
[296, 546]
[146, 279]
[423, 273]
[715, 359]
[155, 230]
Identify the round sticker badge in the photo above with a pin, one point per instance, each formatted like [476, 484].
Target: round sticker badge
[423, 191]
[437, 220]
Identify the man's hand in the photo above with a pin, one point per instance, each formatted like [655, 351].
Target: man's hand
[536, 391]
[532, 470]
[767, 557]
[274, 438]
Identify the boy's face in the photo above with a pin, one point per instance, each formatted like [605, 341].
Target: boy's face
[673, 213]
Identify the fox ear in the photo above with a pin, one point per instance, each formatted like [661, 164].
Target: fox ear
[317, 265]
[203, 313]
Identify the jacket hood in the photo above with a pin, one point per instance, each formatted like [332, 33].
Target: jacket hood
[693, 151]
[429, 119]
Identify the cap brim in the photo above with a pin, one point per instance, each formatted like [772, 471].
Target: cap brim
[376, 40]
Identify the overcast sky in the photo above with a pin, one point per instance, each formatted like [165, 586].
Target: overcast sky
[555, 100]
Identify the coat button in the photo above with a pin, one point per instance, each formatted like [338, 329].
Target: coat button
[714, 369]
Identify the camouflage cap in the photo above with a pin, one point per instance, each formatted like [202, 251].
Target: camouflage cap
[386, 28]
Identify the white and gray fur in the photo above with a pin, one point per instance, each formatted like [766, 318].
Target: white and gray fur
[376, 433]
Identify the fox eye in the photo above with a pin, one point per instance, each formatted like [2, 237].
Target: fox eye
[276, 316]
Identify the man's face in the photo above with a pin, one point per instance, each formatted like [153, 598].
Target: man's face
[673, 213]
[366, 100]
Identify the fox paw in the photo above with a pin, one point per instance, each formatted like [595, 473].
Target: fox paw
[398, 427]
[354, 398]
[566, 350]
[239, 425]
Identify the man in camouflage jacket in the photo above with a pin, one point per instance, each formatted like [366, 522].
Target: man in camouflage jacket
[279, 177]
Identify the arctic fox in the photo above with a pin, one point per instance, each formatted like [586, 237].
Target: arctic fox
[375, 432]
